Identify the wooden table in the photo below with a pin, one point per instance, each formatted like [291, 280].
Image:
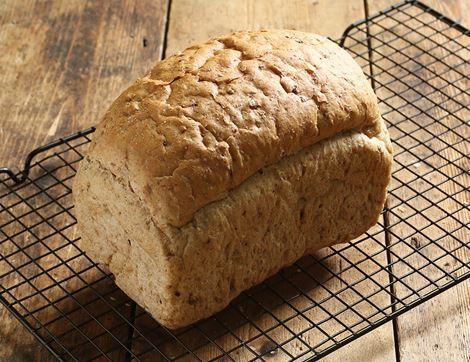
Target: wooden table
[63, 62]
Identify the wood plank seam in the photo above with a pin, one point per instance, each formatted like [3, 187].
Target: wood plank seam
[386, 214]
[167, 28]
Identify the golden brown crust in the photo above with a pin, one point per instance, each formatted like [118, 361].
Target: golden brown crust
[206, 119]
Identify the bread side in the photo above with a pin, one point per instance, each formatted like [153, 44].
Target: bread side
[327, 193]
[206, 119]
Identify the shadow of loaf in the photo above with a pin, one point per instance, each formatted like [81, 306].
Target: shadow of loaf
[228, 162]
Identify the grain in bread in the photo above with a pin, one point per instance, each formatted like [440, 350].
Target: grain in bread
[227, 162]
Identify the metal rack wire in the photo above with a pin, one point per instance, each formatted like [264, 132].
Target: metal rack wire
[418, 63]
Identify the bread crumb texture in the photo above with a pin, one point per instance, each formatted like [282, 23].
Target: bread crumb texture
[227, 162]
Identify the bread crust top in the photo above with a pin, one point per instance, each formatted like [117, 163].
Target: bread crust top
[204, 120]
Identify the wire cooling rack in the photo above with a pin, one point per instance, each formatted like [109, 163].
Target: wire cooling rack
[418, 62]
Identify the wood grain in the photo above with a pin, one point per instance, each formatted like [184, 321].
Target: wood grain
[61, 65]
[63, 62]
[196, 21]
[439, 329]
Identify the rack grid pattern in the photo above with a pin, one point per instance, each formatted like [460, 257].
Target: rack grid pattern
[418, 63]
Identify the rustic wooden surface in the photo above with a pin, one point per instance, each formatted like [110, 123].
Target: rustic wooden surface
[64, 62]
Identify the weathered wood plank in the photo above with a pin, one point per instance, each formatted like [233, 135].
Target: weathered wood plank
[204, 19]
[439, 329]
[61, 65]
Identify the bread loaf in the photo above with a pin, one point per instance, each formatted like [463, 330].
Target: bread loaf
[228, 162]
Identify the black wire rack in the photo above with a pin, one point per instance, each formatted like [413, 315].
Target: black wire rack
[418, 63]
